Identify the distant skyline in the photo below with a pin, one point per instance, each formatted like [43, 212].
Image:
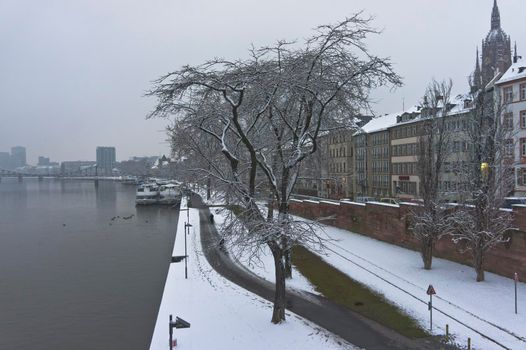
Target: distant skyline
[74, 73]
[45, 157]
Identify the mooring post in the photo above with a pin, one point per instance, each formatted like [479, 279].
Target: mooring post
[516, 278]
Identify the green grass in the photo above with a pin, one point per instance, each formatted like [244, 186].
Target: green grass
[339, 288]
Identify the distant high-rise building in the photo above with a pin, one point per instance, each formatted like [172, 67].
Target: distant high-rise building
[18, 156]
[5, 160]
[43, 161]
[106, 160]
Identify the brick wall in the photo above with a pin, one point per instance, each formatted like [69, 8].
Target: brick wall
[388, 223]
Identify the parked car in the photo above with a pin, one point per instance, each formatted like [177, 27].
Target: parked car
[510, 201]
[364, 199]
[390, 201]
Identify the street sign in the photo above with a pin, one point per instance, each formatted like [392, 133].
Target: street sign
[431, 290]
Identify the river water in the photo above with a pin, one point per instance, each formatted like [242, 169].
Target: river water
[80, 266]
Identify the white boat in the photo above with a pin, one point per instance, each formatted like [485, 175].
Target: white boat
[128, 180]
[169, 194]
[147, 194]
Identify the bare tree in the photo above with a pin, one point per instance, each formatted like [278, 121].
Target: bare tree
[482, 224]
[429, 222]
[266, 114]
[195, 156]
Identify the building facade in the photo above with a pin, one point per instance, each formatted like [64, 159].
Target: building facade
[512, 91]
[18, 157]
[340, 151]
[5, 159]
[378, 160]
[404, 161]
[78, 168]
[106, 160]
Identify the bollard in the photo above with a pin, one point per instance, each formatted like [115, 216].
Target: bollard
[447, 330]
[469, 343]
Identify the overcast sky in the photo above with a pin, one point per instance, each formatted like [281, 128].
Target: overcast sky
[74, 72]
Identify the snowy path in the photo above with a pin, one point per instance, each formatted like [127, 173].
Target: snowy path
[336, 318]
[223, 315]
[487, 308]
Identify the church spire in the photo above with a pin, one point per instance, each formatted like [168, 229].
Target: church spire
[495, 16]
[477, 78]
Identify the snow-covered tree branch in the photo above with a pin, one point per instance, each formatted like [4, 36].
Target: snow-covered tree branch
[266, 114]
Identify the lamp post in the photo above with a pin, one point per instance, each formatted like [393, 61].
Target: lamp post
[179, 323]
[186, 225]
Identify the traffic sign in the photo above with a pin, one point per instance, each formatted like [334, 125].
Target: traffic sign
[431, 290]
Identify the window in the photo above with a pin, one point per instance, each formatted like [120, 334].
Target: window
[522, 90]
[523, 147]
[507, 123]
[508, 94]
[523, 120]
[508, 147]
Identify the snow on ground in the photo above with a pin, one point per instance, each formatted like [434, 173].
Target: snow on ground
[264, 268]
[216, 197]
[458, 294]
[223, 315]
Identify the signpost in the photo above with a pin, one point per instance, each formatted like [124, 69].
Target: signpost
[430, 292]
[516, 278]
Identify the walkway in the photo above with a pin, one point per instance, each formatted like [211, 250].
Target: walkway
[339, 320]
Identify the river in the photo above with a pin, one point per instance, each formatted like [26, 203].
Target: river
[80, 266]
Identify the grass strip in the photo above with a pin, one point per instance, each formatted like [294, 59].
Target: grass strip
[340, 288]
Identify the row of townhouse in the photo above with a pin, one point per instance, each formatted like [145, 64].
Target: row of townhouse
[380, 159]
[512, 88]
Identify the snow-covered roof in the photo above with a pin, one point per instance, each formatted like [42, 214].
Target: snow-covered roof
[389, 120]
[514, 72]
[384, 122]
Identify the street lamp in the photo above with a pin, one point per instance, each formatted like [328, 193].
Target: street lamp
[179, 323]
[186, 225]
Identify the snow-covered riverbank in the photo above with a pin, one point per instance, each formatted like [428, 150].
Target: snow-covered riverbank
[223, 315]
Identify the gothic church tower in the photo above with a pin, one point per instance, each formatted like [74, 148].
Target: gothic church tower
[496, 52]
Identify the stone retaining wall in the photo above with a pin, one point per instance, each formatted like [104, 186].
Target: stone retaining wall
[389, 223]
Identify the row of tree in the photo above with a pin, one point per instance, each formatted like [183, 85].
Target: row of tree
[486, 173]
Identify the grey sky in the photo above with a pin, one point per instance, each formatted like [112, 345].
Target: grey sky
[73, 73]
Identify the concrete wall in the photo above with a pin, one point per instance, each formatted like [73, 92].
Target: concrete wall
[389, 223]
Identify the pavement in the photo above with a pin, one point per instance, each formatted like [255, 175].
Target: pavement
[352, 327]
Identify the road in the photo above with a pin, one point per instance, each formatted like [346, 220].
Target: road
[339, 320]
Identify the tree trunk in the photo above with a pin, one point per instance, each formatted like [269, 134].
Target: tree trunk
[479, 264]
[270, 209]
[278, 313]
[427, 246]
[288, 263]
